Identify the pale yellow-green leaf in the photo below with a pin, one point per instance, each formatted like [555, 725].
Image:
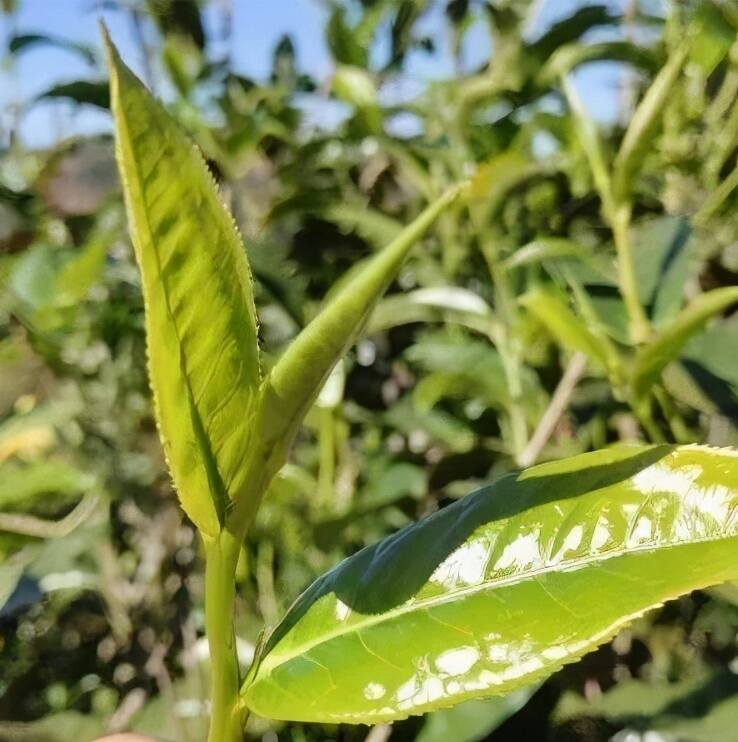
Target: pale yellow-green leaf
[200, 317]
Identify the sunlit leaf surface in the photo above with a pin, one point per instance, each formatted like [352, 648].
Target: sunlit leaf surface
[503, 587]
[200, 316]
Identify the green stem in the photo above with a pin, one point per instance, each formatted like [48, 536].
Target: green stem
[644, 414]
[510, 357]
[327, 449]
[509, 353]
[676, 424]
[226, 722]
[639, 327]
[518, 423]
[265, 582]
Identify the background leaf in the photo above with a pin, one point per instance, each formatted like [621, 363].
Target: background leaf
[644, 124]
[81, 92]
[565, 326]
[667, 346]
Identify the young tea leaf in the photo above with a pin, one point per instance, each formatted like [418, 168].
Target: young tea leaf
[200, 316]
[503, 587]
[294, 382]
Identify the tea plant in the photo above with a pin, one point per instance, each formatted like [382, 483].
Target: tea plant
[491, 593]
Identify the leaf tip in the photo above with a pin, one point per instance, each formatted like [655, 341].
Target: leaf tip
[116, 65]
[110, 50]
[114, 62]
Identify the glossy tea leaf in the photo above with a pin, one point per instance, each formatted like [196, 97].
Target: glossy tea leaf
[200, 316]
[81, 92]
[503, 587]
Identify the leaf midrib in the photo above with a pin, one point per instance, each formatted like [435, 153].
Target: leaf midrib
[218, 493]
[409, 607]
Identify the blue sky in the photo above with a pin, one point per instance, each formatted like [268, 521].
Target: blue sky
[258, 24]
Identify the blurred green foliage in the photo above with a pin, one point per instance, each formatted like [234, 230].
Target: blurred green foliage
[102, 626]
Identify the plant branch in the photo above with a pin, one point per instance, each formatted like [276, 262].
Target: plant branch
[616, 210]
[327, 453]
[226, 722]
[639, 325]
[379, 733]
[559, 402]
[29, 525]
[715, 200]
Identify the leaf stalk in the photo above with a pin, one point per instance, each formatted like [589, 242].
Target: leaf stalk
[226, 715]
[639, 326]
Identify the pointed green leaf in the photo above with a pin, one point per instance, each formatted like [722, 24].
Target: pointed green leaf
[668, 344]
[591, 143]
[25, 42]
[200, 316]
[82, 92]
[79, 274]
[644, 124]
[568, 57]
[294, 382]
[715, 349]
[663, 261]
[712, 36]
[503, 587]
